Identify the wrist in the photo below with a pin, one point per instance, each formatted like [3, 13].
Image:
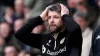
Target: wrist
[42, 18]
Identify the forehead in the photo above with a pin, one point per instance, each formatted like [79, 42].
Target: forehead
[4, 25]
[52, 13]
[7, 49]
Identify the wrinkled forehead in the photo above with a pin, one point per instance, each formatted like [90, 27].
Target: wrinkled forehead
[53, 13]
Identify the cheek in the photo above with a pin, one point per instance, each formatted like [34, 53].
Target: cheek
[58, 22]
[48, 22]
[82, 24]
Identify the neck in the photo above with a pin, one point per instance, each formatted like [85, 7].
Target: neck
[55, 35]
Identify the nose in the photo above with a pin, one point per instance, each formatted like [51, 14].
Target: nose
[51, 20]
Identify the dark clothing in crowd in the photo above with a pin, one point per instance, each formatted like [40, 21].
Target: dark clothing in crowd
[11, 40]
[95, 49]
[68, 42]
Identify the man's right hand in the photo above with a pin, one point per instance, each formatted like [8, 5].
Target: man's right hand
[44, 14]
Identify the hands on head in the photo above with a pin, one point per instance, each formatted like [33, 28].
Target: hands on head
[64, 10]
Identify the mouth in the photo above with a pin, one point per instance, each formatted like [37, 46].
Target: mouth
[52, 25]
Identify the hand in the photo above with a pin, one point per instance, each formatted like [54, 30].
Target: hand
[44, 14]
[64, 10]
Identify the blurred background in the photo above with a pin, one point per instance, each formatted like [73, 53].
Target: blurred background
[15, 13]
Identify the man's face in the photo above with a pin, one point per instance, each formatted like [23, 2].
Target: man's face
[73, 3]
[54, 21]
[18, 24]
[4, 30]
[10, 51]
[83, 24]
[9, 11]
[19, 6]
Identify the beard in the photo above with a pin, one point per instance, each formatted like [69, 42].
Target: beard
[55, 28]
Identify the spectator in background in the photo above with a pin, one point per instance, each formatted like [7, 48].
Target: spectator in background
[82, 20]
[93, 14]
[18, 24]
[27, 11]
[5, 30]
[82, 6]
[8, 17]
[95, 49]
[72, 5]
[11, 51]
[19, 8]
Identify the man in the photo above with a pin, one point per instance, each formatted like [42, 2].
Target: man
[18, 24]
[19, 9]
[64, 38]
[5, 30]
[95, 49]
[10, 51]
[8, 16]
[81, 18]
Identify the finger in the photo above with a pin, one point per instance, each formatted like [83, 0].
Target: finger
[62, 7]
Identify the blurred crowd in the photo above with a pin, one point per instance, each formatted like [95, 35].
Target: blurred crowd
[15, 13]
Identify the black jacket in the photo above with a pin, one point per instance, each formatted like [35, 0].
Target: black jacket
[68, 42]
[95, 48]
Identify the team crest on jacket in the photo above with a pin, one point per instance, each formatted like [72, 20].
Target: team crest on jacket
[62, 40]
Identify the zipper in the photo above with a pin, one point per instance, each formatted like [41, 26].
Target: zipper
[55, 37]
[55, 45]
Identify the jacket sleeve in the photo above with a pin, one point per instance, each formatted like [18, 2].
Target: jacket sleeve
[69, 23]
[76, 42]
[24, 33]
[75, 35]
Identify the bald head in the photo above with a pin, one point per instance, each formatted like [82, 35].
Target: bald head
[19, 5]
[10, 51]
[18, 24]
